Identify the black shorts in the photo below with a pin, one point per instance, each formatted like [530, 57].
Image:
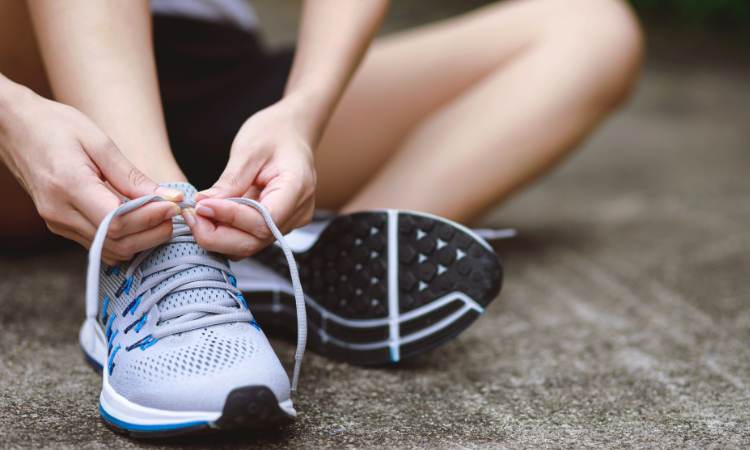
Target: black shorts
[212, 78]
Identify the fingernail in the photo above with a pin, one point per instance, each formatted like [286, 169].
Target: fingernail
[204, 211]
[189, 215]
[173, 195]
[173, 211]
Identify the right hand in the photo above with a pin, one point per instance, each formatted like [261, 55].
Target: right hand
[76, 175]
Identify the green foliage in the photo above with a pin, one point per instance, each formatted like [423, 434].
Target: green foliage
[709, 13]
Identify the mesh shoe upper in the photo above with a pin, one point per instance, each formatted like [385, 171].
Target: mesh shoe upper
[191, 370]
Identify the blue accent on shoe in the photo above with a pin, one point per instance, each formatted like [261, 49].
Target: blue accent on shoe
[241, 298]
[148, 343]
[108, 330]
[144, 343]
[255, 324]
[125, 286]
[394, 355]
[132, 306]
[112, 270]
[137, 427]
[111, 340]
[105, 306]
[232, 280]
[140, 323]
[111, 360]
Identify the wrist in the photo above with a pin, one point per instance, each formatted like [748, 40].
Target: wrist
[310, 113]
[12, 97]
[11, 94]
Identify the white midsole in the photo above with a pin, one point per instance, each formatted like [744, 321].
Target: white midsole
[94, 344]
[123, 409]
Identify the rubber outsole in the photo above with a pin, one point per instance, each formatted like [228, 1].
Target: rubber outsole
[383, 286]
[248, 408]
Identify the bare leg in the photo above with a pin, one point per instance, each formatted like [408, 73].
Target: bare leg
[21, 60]
[453, 117]
[105, 68]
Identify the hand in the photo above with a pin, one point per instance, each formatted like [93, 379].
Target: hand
[76, 175]
[270, 161]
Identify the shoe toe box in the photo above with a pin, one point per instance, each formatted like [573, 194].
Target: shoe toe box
[196, 371]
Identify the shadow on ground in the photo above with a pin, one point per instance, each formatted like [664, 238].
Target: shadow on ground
[624, 321]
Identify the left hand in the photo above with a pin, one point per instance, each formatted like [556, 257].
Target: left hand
[270, 161]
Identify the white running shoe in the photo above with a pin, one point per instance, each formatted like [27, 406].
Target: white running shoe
[176, 343]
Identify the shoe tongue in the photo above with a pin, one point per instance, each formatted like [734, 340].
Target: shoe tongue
[171, 251]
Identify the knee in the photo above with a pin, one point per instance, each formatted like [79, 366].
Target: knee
[606, 41]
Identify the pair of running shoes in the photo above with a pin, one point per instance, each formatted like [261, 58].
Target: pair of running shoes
[180, 351]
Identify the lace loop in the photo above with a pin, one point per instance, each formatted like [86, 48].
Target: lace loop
[194, 316]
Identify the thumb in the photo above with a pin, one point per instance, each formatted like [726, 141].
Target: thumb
[124, 176]
[281, 197]
[233, 182]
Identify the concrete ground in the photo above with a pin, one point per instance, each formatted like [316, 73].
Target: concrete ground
[625, 320]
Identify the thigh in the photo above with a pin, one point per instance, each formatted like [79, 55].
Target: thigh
[409, 75]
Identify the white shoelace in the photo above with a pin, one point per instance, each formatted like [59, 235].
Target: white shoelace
[197, 315]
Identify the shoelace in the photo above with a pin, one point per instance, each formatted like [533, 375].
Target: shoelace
[197, 315]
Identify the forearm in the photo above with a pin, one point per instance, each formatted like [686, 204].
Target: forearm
[99, 59]
[334, 36]
[13, 98]
[9, 96]
[8, 90]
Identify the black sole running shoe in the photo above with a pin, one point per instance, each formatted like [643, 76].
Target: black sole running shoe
[381, 286]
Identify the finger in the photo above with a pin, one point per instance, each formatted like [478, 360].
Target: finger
[249, 220]
[107, 257]
[95, 202]
[236, 179]
[253, 192]
[73, 236]
[79, 230]
[72, 222]
[124, 249]
[99, 201]
[221, 238]
[282, 197]
[144, 218]
[234, 215]
[122, 174]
